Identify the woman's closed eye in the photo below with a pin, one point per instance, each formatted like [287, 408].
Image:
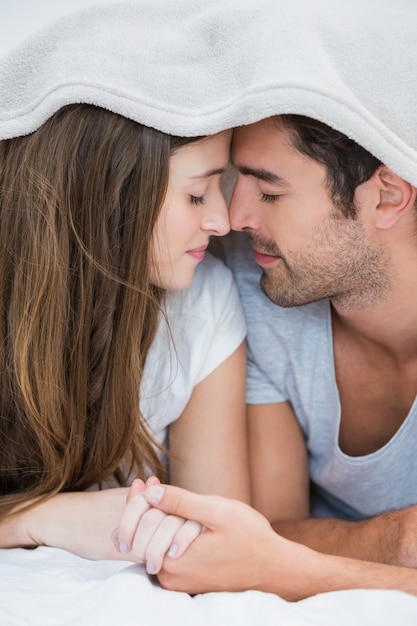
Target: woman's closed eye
[197, 199]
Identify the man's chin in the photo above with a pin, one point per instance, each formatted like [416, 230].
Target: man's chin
[279, 296]
[270, 290]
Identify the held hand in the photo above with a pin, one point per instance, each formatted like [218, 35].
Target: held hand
[239, 550]
[232, 552]
[147, 534]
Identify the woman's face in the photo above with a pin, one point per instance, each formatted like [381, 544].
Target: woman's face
[194, 209]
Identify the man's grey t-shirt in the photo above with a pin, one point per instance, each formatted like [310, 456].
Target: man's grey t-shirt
[291, 359]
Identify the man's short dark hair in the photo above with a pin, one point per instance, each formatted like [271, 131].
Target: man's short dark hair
[347, 163]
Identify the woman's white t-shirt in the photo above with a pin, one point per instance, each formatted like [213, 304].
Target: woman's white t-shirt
[204, 325]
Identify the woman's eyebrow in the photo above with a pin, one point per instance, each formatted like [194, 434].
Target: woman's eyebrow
[213, 172]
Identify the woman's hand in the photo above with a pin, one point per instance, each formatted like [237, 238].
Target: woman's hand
[111, 524]
[147, 534]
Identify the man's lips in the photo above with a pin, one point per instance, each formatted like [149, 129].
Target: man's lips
[264, 259]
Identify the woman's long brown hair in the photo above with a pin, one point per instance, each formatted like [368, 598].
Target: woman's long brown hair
[78, 203]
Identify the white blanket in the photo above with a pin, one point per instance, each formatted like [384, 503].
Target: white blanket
[198, 66]
[50, 587]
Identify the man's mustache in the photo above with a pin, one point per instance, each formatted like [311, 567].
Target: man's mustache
[263, 245]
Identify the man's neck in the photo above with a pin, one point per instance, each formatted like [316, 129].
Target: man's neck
[391, 325]
[389, 321]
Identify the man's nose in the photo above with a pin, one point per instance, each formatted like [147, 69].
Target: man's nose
[241, 211]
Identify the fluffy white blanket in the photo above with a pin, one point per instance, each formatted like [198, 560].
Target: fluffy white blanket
[51, 587]
[195, 67]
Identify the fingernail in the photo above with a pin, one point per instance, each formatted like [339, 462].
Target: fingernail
[154, 494]
[150, 567]
[173, 550]
[123, 547]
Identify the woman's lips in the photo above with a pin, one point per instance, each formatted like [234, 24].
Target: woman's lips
[198, 253]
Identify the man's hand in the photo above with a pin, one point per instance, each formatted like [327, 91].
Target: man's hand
[239, 550]
[233, 551]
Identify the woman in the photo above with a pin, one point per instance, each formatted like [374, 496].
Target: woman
[109, 350]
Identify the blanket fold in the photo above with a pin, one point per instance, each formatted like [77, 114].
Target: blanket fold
[192, 67]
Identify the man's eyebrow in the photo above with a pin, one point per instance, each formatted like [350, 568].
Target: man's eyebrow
[214, 172]
[261, 174]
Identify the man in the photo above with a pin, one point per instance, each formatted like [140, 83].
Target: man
[331, 384]
[332, 372]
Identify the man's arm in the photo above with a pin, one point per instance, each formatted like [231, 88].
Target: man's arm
[280, 487]
[240, 551]
[388, 538]
[278, 462]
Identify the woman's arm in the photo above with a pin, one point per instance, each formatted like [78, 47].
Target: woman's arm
[208, 443]
[208, 454]
[86, 523]
[81, 522]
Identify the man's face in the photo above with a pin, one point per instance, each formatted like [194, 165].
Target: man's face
[306, 248]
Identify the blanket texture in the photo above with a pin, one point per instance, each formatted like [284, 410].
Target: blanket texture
[192, 67]
[48, 586]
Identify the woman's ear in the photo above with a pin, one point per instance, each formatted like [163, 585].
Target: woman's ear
[396, 197]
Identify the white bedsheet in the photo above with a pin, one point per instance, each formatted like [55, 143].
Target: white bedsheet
[50, 587]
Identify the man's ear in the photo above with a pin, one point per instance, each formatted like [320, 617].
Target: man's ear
[396, 197]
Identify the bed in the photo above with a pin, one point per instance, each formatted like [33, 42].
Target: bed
[47, 586]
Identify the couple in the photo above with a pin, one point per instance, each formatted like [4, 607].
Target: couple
[334, 237]
[113, 351]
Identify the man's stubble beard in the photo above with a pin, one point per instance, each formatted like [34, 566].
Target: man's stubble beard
[338, 263]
